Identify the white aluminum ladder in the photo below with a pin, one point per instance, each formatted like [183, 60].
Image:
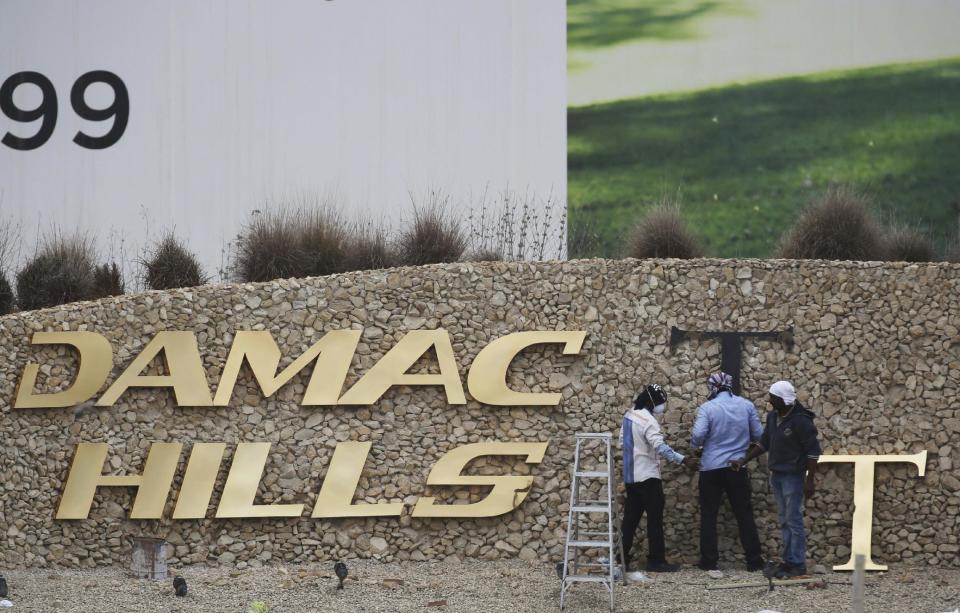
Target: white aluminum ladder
[577, 566]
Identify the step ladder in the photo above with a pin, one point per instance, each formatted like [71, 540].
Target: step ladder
[591, 524]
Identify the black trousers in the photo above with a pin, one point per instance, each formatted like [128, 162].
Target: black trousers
[736, 485]
[646, 496]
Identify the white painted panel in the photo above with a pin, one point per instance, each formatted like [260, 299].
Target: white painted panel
[234, 105]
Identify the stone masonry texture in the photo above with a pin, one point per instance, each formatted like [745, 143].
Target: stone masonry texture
[876, 356]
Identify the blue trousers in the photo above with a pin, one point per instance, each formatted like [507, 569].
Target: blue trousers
[788, 492]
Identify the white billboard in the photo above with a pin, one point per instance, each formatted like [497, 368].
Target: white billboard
[127, 118]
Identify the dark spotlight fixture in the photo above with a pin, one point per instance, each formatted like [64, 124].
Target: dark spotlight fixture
[3, 587]
[560, 570]
[770, 571]
[180, 586]
[341, 571]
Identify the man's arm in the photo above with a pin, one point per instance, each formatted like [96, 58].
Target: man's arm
[701, 428]
[756, 450]
[756, 428]
[811, 447]
[810, 484]
[655, 439]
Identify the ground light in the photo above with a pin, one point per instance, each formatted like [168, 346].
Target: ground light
[180, 586]
[3, 587]
[341, 571]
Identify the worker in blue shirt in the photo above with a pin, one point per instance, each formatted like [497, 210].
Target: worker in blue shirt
[790, 440]
[725, 427]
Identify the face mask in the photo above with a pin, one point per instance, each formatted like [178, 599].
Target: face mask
[659, 409]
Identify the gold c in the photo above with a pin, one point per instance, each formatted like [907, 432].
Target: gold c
[508, 490]
[863, 473]
[96, 361]
[487, 379]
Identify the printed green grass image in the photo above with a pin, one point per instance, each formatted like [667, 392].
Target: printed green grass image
[745, 159]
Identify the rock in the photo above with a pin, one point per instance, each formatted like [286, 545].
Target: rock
[870, 340]
[378, 544]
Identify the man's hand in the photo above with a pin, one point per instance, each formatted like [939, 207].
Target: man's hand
[809, 487]
[691, 462]
[738, 464]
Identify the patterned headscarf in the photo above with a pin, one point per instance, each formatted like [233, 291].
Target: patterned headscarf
[719, 382]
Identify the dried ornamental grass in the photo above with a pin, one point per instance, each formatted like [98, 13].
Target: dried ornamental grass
[838, 226]
[170, 265]
[662, 233]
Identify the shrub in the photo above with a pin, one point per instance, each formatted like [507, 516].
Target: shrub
[367, 247]
[170, 265]
[434, 237]
[662, 233]
[302, 242]
[484, 255]
[321, 241]
[62, 271]
[516, 227]
[838, 226]
[905, 244]
[6, 295]
[952, 253]
[107, 281]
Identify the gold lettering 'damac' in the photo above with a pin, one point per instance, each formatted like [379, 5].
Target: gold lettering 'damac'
[187, 377]
[392, 369]
[863, 480]
[331, 354]
[487, 379]
[96, 361]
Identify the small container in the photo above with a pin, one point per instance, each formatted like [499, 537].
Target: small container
[149, 558]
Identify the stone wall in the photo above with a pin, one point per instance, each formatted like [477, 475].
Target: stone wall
[876, 356]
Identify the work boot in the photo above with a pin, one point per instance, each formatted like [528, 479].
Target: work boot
[786, 571]
[707, 565]
[755, 565]
[662, 567]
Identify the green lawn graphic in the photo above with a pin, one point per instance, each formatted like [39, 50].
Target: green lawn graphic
[747, 158]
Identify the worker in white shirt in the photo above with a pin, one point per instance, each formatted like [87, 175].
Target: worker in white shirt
[643, 444]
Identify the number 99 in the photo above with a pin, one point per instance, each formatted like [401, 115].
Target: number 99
[118, 110]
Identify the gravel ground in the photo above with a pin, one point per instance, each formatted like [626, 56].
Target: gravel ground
[469, 586]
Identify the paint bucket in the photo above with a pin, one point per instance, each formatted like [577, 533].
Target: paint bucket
[149, 558]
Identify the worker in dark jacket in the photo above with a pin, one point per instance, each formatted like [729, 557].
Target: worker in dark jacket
[790, 440]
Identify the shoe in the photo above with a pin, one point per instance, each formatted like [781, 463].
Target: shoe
[707, 566]
[637, 577]
[662, 567]
[755, 566]
[787, 571]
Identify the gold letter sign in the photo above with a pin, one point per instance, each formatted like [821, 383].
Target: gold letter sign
[508, 490]
[863, 473]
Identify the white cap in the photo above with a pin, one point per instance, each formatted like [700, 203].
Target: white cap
[784, 389]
